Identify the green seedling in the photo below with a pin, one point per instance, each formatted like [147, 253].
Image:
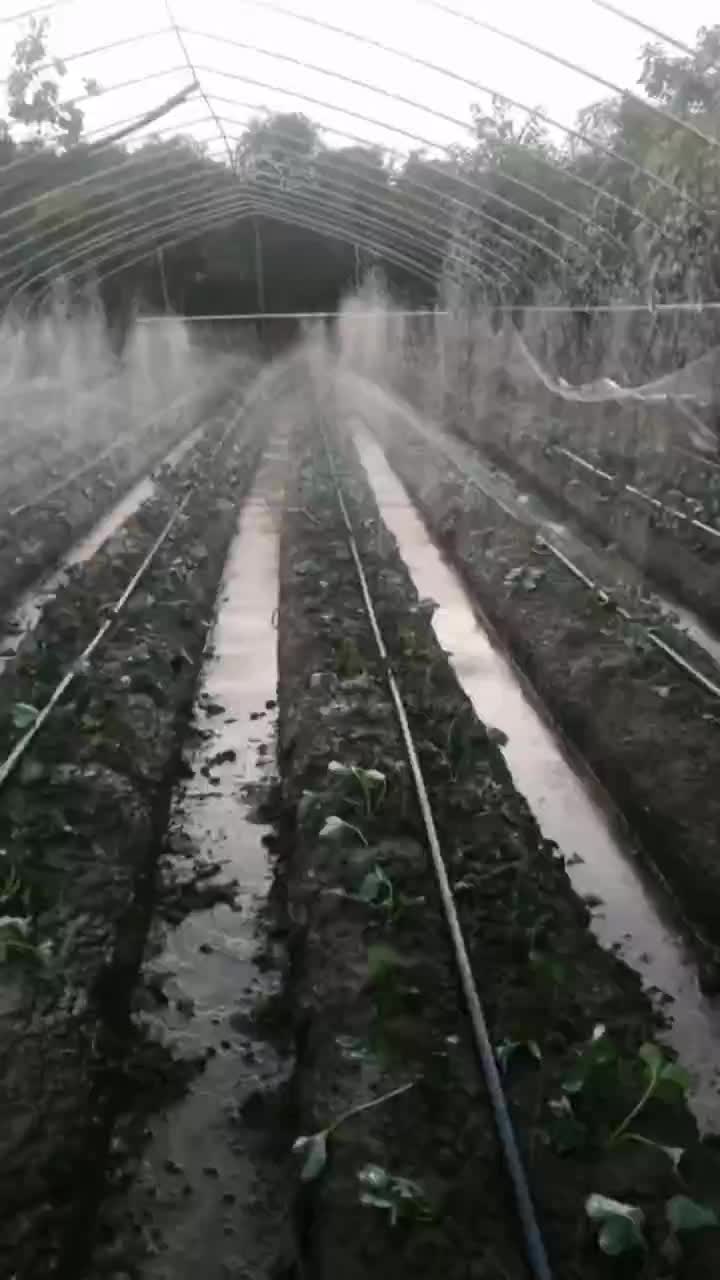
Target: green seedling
[371, 783]
[11, 888]
[24, 715]
[599, 1071]
[620, 1226]
[595, 1059]
[507, 1050]
[686, 1215]
[377, 890]
[314, 1146]
[397, 1196]
[565, 1131]
[354, 1049]
[337, 829]
[662, 1078]
[526, 578]
[548, 968]
[348, 659]
[383, 964]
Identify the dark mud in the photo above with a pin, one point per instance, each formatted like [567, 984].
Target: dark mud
[618, 701]
[374, 989]
[666, 549]
[82, 824]
[217, 1179]
[33, 540]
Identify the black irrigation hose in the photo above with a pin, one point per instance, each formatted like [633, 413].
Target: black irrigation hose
[11, 761]
[533, 1240]
[639, 493]
[676, 658]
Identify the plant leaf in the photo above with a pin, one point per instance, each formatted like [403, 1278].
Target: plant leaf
[315, 1148]
[673, 1073]
[620, 1235]
[24, 715]
[335, 828]
[685, 1214]
[653, 1058]
[621, 1225]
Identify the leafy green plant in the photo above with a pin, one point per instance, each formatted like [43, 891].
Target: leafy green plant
[314, 1147]
[399, 1197]
[686, 1215]
[598, 1054]
[384, 964]
[337, 829]
[24, 715]
[662, 1076]
[549, 969]
[371, 783]
[566, 1132]
[597, 1075]
[348, 659]
[377, 890]
[620, 1226]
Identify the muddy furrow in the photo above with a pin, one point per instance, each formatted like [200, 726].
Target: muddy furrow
[38, 524]
[215, 1189]
[619, 701]
[668, 551]
[82, 823]
[372, 979]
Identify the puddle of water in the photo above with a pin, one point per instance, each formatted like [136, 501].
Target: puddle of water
[607, 570]
[216, 970]
[632, 919]
[27, 614]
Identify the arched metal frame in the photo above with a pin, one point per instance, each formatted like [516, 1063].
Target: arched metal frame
[418, 106]
[354, 220]
[479, 252]
[466, 243]
[272, 6]
[661, 112]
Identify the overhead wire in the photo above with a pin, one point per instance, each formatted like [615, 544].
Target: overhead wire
[386, 199]
[661, 112]
[401, 99]
[191, 206]
[275, 207]
[272, 6]
[643, 26]
[457, 178]
[34, 10]
[186, 52]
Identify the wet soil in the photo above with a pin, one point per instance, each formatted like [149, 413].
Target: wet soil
[630, 913]
[666, 549]
[33, 540]
[374, 989]
[619, 701]
[217, 1177]
[82, 823]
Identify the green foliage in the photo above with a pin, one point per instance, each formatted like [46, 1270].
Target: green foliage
[515, 213]
[400, 1198]
[684, 1214]
[314, 1147]
[377, 890]
[24, 716]
[620, 1226]
[34, 95]
[663, 1078]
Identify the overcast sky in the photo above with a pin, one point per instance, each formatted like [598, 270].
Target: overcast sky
[575, 29]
